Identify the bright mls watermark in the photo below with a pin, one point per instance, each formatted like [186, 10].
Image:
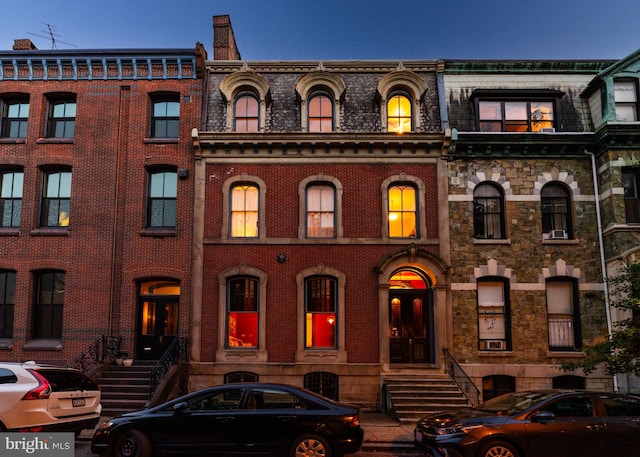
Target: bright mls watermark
[37, 444]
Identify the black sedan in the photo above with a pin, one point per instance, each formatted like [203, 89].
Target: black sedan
[253, 419]
[536, 424]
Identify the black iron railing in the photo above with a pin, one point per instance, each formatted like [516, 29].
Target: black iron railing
[103, 349]
[463, 381]
[175, 353]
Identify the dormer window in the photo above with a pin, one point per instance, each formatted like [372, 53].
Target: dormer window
[626, 99]
[515, 116]
[533, 110]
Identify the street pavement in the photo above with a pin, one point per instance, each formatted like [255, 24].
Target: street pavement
[383, 437]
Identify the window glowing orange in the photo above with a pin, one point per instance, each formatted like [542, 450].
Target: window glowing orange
[399, 114]
[402, 212]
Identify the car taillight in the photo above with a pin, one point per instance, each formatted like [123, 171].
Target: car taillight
[355, 421]
[42, 391]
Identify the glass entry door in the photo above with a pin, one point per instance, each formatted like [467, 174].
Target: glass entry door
[158, 305]
[410, 320]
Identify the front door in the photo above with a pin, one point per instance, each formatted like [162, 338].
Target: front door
[411, 322]
[158, 305]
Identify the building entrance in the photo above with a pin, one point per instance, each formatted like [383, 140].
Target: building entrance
[411, 329]
[158, 303]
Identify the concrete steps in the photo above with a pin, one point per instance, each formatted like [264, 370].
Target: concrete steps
[125, 389]
[414, 396]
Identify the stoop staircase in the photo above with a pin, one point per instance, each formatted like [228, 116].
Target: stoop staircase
[125, 389]
[414, 396]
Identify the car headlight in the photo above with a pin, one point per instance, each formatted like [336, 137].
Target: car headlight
[454, 429]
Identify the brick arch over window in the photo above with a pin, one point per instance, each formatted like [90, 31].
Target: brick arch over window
[491, 176]
[560, 268]
[320, 81]
[493, 269]
[249, 81]
[555, 175]
[406, 81]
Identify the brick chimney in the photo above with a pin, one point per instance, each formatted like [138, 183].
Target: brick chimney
[224, 43]
[24, 44]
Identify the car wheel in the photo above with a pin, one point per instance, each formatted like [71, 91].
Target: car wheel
[133, 443]
[310, 446]
[498, 449]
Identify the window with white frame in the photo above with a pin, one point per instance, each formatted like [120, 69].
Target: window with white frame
[320, 211]
[403, 211]
[493, 315]
[56, 198]
[11, 197]
[61, 121]
[162, 198]
[244, 210]
[15, 114]
[562, 315]
[626, 100]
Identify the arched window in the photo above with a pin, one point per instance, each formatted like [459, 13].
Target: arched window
[494, 326]
[246, 113]
[242, 312]
[244, 210]
[7, 302]
[11, 183]
[556, 212]
[48, 304]
[321, 301]
[321, 215]
[56, 198]
[403, 211]
[399, 109]
[563, 315]
[161, 198]
[320, 113]
[488, 212]
[240, 376]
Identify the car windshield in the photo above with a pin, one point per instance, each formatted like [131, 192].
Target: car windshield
[513, 403]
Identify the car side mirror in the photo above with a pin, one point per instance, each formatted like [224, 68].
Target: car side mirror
[543, 416]
[180, 407]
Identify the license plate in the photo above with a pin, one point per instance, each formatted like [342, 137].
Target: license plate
[77, 402]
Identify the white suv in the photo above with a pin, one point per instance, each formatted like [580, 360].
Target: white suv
[36, 398]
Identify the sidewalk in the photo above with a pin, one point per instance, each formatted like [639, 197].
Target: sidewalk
[382, 432]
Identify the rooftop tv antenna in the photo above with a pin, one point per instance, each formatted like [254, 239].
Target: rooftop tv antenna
[52, 36]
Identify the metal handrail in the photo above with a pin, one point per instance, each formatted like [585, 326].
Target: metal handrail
[176, 352]
[103, 349]
[464, 382]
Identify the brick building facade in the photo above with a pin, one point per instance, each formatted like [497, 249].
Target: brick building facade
[96, 165]
[328, 224]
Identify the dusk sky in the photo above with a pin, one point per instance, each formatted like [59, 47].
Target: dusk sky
[339, 29]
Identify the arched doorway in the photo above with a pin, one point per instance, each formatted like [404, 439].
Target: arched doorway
[157, 316]
[411, 319]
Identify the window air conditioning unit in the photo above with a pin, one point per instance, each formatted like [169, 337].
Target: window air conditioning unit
[558, 235]
[548, 130]
[495, 345]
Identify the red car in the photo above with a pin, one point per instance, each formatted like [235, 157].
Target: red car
[536, 424]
